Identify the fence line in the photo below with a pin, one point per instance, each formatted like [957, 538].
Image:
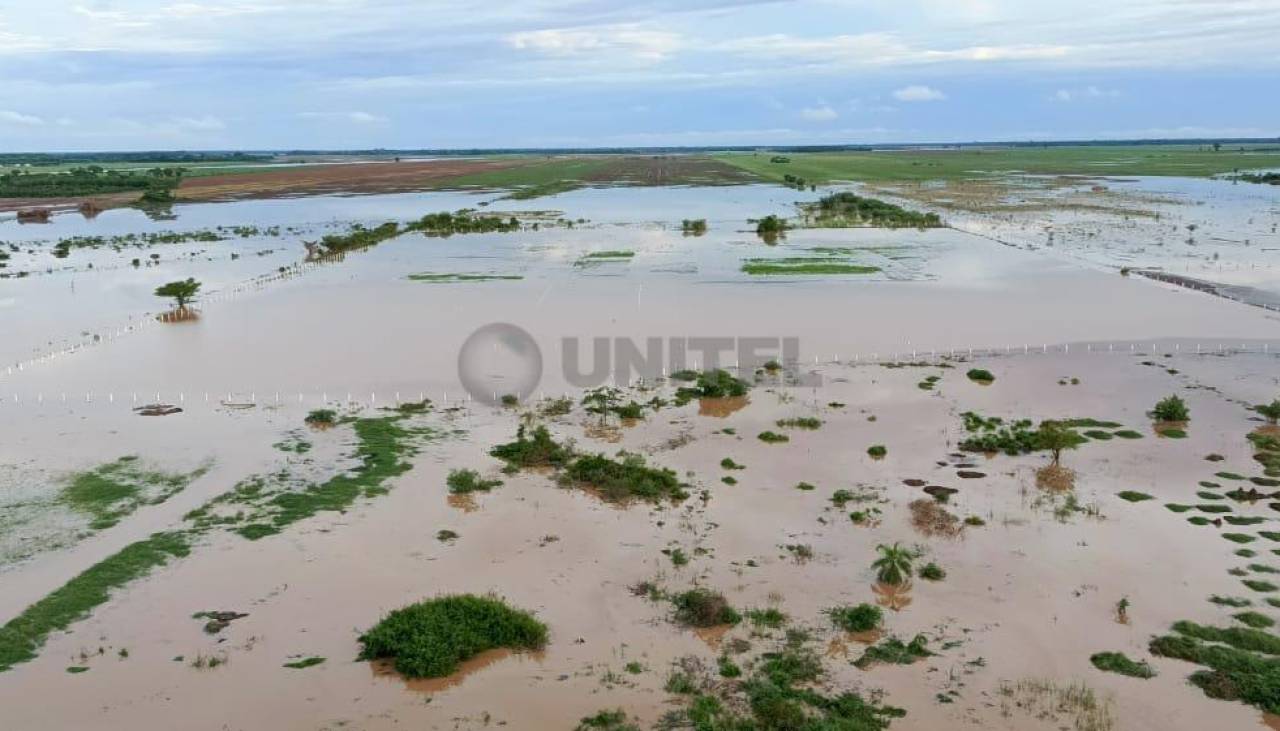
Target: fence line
[231, 398]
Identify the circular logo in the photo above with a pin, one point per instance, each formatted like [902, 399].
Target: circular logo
[497, 360]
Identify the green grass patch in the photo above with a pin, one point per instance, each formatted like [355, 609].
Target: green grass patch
[1256, 620]
[625, 479]
[455, 277]
[113, 491]
[1118, 662]
[981, 375]
[430, 638]
[1239, 537]
[877, 451]
[1128, 434]
[23, 636]
[771, 618]
[800, 422]
[802, 265]
[770, 437]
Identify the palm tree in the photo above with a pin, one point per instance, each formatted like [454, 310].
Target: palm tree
[894, 565]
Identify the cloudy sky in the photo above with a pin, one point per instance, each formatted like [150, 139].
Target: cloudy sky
[259, 74]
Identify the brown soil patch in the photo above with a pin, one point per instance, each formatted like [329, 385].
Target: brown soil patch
[1055, 477]
[603, 432]
[369, 177]
[722, 407]
[931, 519]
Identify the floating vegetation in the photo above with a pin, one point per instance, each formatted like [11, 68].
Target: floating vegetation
[805, 265]
[1118, 662]
[462, 277]
[429, 639]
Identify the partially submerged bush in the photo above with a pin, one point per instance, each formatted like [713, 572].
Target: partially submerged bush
[321, 417]
[895, 652]
[860, 618]
[429, 639]
[981, 375]
[877, 451]
[619, 481]
[932, 572]
[717, 383]
[1171, 408]
[461, 482]
[770, 437]
[615, 720]
[540, 450]
[704, 608]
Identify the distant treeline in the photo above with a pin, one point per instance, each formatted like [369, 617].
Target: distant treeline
[155, 184]
[432, 224]
[177, 156]
[848, 207]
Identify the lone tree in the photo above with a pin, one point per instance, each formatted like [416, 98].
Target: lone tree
[1270, 411]
[1055, 437]
[182, 291]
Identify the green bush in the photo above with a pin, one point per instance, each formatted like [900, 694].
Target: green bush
[461, 482]
[429, 639]
[538, 451]
[1118, 662]
[620, 481]
[1171, 408]
[860, 618]
[981, 375]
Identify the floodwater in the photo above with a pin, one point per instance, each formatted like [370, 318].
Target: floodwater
[1031, 593]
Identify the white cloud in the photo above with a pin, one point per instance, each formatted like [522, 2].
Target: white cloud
[200, 124]
[1088, 92]
[918, 93]
[637, 43]
[356, 116]
[820, 113]
[27, 120]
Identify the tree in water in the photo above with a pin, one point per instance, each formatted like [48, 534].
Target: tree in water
[182, 291]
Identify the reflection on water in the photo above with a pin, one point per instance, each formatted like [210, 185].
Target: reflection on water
[466, 669]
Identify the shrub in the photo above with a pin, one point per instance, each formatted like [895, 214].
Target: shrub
[981, 375]
[800, 422]
[539, 451]
[461, 482]
[1171, 408]
[428, 639]
[704, 608]
[860, 618]
[619, 481]
[615, 720]
[771, 618]
[321, 417]
[877, 451]
[717, 383]
[894, 651]
[932, 572]
[769, 437]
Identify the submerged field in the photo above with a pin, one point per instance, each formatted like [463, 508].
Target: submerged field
[331, 533]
